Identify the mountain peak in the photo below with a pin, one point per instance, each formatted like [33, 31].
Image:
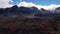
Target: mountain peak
[58, 8]
[15, 6]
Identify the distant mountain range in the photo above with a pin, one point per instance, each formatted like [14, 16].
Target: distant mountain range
[29, 12]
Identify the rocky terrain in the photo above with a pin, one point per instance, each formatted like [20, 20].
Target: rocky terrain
[23, 20]
[29, 26]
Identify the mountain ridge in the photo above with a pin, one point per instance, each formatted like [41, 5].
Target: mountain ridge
[29, 11]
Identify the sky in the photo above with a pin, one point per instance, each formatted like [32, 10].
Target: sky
[46, 4]
[40, 2]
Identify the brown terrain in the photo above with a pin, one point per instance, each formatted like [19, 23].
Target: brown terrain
[21, 25]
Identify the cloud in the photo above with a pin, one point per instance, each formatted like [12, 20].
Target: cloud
[5, 3]
[49, 7]
[11, 1]
[25, 4]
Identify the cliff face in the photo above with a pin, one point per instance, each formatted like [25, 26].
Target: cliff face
[25, 20]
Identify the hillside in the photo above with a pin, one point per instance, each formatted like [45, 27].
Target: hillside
[24, 20]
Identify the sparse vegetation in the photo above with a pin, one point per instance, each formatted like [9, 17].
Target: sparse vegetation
[29, 26]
